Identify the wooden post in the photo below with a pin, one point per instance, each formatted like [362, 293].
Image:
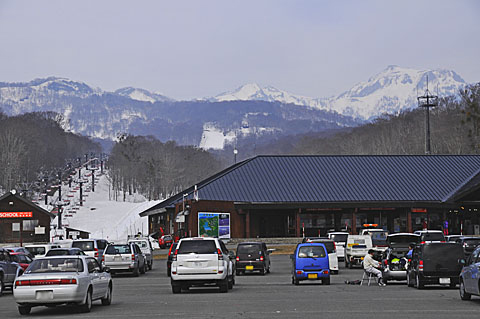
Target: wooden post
[247, 224]
[354, 221]
[409, 221]
[297, 223]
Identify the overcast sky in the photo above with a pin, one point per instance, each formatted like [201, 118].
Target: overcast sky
[189, 49]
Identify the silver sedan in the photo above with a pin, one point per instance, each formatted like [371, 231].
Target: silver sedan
[60, 280]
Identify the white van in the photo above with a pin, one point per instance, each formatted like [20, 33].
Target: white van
[40, 250]
[331, 251]
[146, 248]
[357, 248]
[340, 239]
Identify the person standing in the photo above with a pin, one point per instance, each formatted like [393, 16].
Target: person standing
[371, 266]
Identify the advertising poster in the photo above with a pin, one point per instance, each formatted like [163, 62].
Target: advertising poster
[214, 225]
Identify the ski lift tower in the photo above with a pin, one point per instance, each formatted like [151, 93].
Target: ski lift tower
[427, 101]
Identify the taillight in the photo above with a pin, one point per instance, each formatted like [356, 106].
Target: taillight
[133, 257]
[96, 252]
[299, 272]
[325, 272]
[334, 247]
[261, 258]
[170, 251]
[237, 259]
[174, 258]
[385, 262]
[220, 255]
[45, 282]
[423, 242]
[420, 265]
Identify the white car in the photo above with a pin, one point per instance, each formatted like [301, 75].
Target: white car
[146, 248]
[340, 239]
[60, 280]
[91, 247]
[357, 248]
[331, 251]
[40, 250]
[202, 261]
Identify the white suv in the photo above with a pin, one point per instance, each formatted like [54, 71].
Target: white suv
[202, 261]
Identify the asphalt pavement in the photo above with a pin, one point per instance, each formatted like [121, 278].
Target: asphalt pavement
[269, 296]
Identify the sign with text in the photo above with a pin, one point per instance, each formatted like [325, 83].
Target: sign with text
[214, 225]
[16, 214]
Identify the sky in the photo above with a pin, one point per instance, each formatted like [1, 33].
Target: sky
[194, 49]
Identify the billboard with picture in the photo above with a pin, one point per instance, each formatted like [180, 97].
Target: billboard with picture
[214, 225]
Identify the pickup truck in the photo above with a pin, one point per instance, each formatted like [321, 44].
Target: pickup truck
[356, 249]
[9, 270]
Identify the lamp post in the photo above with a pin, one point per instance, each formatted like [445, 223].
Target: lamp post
[93, 178]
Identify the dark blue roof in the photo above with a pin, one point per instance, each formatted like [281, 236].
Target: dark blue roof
[309, 179]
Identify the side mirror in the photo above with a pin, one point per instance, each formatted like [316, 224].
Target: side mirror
[106, 269]
[462, 262]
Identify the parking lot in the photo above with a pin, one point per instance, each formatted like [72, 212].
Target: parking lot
[269, 296]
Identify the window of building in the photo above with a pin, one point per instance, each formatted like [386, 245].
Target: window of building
[15, 226]
[30, 224]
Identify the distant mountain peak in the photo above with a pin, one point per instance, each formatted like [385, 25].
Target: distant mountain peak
[142, 95]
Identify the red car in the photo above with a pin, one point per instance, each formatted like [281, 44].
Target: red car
[165, 241]
[22, 259]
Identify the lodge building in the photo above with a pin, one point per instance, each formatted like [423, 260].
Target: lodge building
[283, 196]
[21, 221]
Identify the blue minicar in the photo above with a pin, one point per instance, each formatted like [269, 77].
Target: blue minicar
[310, 262]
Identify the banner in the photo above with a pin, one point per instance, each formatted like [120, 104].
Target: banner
[16, 214]
[214, 225]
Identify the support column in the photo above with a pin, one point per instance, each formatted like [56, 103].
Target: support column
[297, 223]
[247, 224]
[354, 221]
[409, 221]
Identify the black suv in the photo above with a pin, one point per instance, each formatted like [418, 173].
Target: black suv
[9, 270]
[252, 256]
[434, 264]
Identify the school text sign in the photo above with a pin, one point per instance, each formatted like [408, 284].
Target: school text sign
[15, 214]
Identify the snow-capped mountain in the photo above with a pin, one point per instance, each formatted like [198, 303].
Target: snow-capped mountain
[142, 95]
[391, 91]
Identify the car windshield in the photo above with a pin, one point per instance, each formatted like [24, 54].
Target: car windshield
[433, 237]
[403, 239]
[339, 238]
[311, 252]
[21, 259]
[140, 243]
[472, 241]
[54, 265]
[83, 245]
[37, 250]
[57, 252]
[197, 247]
[328, 244]
[118, 249]
[249, 249]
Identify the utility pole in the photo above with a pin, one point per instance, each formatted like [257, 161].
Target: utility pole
[427, 101]
[60, 185]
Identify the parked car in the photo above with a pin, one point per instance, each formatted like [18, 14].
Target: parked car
[470, 276]
[357, 248]
[65, 251]
[331, 250]
[40, 250]
[310, 262]
[22, 259]
[252, 256]
[165, 241]
[379, 236]
[171, 252]
[340, 239]
[146, 248]
[202, 261]
[469, 244]
[427, 236]
[452, 237]
[435, 263]
[52, 281]
[20, 250]
[91, 247]
[395, 261]
[9, 270]
[125, 258]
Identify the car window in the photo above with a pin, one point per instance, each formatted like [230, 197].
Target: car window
[249, 249]
[197, 247]
[55, 265]
[93, 265]
[224, 248]
[474, 257]
[37, 250]
[118, 249]
[339, 237]
[101, 244]
[140, 243]
[84, 245]
[57, 252]
[472, 241]
[2, 256]
[433, 237]
[311, 252]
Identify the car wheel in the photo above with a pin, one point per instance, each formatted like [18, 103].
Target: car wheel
[87, 305]
[24, 310]
[326, 281]
[268, 269]
[230, 282]
[176, 289]
[262, 271]
[418, 282]
[296, 281]
[237, 272]
[350, 266]
[409, 281]
[1, 286]
[150, 265]
[142, 270]
[108, 298]
[224, 285]
[463, 294]
[346, 263]
[136, 272]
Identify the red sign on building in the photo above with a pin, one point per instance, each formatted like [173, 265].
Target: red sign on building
[15, 214]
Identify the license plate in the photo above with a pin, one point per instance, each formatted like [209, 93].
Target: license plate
[248, 267]
[444, 281]
[312, 276]
[118, 258]
[197, 264]
[361, 258]
[44, 295]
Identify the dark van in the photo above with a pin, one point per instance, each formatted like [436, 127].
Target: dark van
[435, 264]
[252, 257]
[310, 262]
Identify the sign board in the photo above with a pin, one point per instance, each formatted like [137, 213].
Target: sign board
[180, 219]
[214, 225]
[419, 210]
[39, 230]
[16, 214]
